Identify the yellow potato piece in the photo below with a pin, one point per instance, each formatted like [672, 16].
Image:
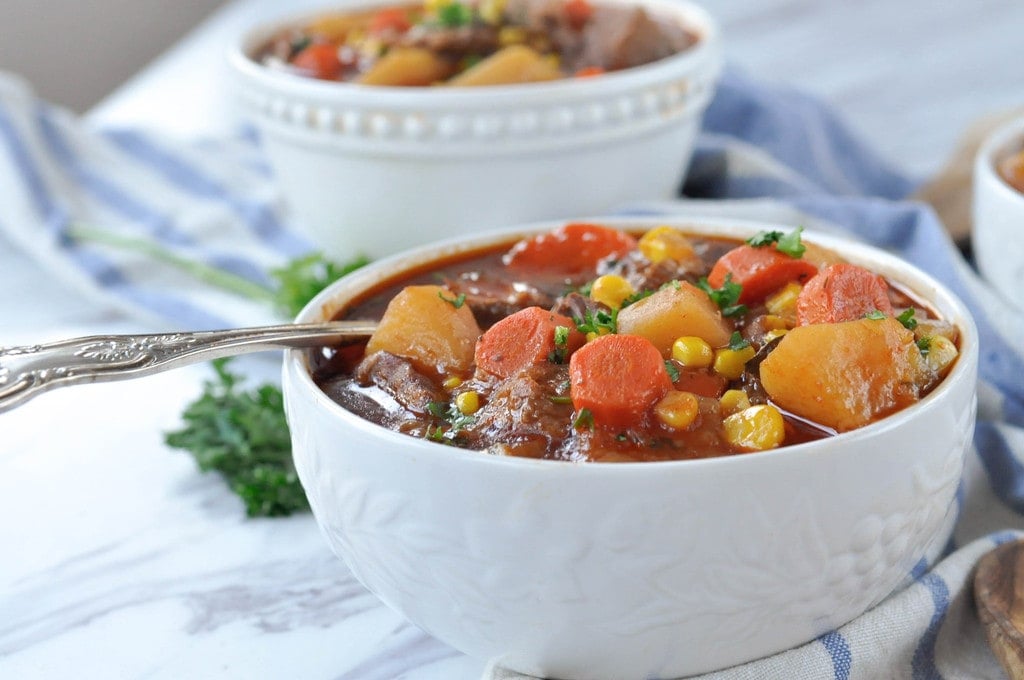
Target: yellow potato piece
[674, 312]
[512, 64]
[428, 330]
[844, 375]
[408, 66]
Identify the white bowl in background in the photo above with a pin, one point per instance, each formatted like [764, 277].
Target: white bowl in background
[997, 235]
[615, 570]
[374, 170]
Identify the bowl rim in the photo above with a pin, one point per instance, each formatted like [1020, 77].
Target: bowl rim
[993, 145]
[944, 301]
[702, 56]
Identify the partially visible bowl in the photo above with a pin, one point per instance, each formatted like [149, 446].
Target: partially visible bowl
[999, 215]
[377, 169]
[654, 569]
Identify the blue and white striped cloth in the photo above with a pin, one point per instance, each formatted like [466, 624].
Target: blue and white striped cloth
[765, 152]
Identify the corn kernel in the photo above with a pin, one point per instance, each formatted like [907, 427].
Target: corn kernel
[941, 353]
[774, 322]
[491, 11]
[729, 363]
[771, 335]
[451, 382]
[434, 6]
[734, 401]
[756, 428]
[511, 35]
[610, 290]
[677, 409]
[591, 336]
[692, 351]
[468, 403]
[664, 243]
[783, 301]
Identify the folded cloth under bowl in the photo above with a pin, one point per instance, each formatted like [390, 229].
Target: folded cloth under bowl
[107, 210]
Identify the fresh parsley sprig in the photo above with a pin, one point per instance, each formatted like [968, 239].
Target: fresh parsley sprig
[242, 434]
[790, 243]
[727, 297]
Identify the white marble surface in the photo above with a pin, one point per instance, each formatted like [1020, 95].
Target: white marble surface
[121, 560]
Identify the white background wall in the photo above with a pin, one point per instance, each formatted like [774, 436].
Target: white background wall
[76, 51]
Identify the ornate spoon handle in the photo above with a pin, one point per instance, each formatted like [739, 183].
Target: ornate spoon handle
[28, 371]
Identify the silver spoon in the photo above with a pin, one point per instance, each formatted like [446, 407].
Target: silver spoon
[31, 370]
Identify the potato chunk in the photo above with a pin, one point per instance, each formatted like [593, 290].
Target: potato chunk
[674, 312]
[844, 375]
[512, 64]
[432, 332]
[409, 66]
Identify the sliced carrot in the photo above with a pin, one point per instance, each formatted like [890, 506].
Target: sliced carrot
[759, 270]
[578, 13]
[390, 19]
[842, 292]
[573, 248]
[617, 378]
[320, 60]
[589, 72]
[524, 339]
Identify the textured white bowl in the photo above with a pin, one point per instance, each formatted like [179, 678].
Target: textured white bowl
[380, 169]
[635, 570]
[997, 232]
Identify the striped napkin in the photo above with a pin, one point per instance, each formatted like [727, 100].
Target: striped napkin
[768, 152]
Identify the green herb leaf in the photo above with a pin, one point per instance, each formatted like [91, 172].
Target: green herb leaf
[737, 342]
[727, 297]
[561, 345]
[594, 322]
[907, 319]
[584, 419]
[560, 399]
[243, 435]
[790, 243]
[673, 372]
[637, 296]
[456, 301]
[451, 414]
[874, 314]
[302, 279]
[454, 14]
[924, 345]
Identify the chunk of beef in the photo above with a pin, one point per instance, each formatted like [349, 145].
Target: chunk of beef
[521, 408]
[492, 298]
[618, 37]
[399, 379]
[452, 42]
[643, 274]
[577, 307]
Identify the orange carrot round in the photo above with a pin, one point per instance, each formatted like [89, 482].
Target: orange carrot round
[759, 270]
[842, 292]
[320, 60]
[526, 338]
[573, 248]
[617, 378]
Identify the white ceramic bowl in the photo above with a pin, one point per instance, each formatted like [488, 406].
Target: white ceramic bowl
[635, 570]
[999, 215]
[380, 169]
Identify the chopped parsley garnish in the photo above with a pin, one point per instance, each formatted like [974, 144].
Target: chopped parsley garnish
[636, 297]
[560, 399]
[557, 356]
[874, 314]
[907, 319]
[300, 43]
[925, 345]
[600, 322]
[456, 301]
[790, 243]
[454, 14]
[673, 372]
[727, 297]
[584, 419]
[737, 341]
[451, 414]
